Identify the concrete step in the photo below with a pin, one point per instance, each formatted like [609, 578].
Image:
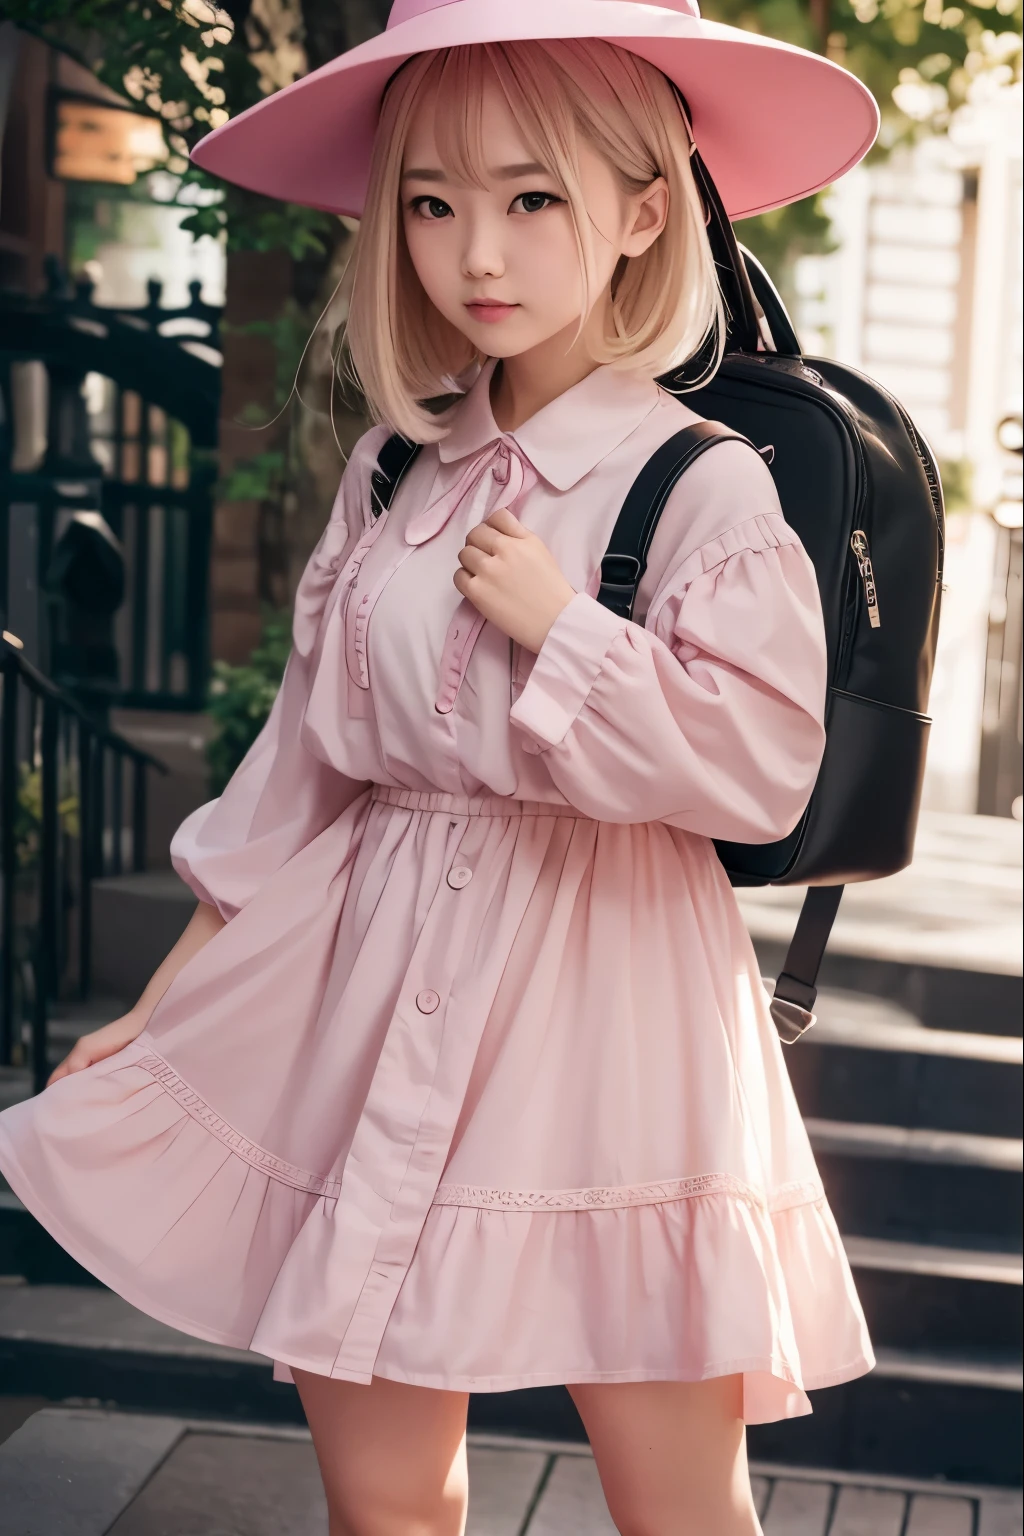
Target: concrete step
[88, 1472]
[918, 1296]
[869, 1060]
[67, 1023]
[178, 740]
[940, 1187]
[67, 1341]
[28, 1252]
[70, 1020]
[923, 1413]
[942, 939]
[136, 920]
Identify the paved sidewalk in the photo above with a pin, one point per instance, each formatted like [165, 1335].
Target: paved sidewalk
[83, 1472]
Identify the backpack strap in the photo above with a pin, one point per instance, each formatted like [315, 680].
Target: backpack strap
[625, 561]
[795, 989]
[621, 571]
[392, 462]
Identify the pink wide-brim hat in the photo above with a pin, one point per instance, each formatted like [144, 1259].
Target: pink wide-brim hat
[772, 122]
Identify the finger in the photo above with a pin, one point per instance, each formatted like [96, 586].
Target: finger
[463, 583]
[507, 522]
[473, 560]
[484, 537]
[58, 1072]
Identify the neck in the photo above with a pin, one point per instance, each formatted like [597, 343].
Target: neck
[523, 385]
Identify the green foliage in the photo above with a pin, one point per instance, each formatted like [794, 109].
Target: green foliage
[183, 62]
[894, 43]
[240, 698]
[919, 58]
[957, 485]
[288, 334]
[779, 237]
[256, 479]
[28, 814]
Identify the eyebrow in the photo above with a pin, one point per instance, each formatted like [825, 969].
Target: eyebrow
[501, 172]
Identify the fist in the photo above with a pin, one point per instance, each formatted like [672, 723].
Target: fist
[512, 578]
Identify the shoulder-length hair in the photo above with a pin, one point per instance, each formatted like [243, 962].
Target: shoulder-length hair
[666, 303]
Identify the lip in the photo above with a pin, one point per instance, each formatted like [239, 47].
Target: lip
[490, 310]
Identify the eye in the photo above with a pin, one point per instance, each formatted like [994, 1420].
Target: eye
[432, 208]
[533, 202]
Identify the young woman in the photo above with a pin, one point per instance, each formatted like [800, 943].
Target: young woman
[462, 1076]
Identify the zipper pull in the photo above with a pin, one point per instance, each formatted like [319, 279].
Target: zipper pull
[862, 554]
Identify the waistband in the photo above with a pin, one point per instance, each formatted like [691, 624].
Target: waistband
[469, 805]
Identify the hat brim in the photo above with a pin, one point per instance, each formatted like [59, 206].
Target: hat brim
[773, 123]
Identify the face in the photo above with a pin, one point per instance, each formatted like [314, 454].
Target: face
[500, 262]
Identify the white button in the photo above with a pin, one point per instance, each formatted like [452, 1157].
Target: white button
[459, 876]
[427, 1001]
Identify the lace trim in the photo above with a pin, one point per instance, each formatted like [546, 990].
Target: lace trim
[618, 1197]
[249, 1151]
[623, 1195]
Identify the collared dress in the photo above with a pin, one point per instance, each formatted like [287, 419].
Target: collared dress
[477, 1088]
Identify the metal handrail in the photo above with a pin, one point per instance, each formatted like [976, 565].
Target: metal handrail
[52, 711]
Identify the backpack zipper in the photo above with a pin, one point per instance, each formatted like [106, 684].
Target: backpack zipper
[862, 554]
[801, 376]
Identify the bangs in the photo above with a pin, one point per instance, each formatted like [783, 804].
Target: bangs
[458, 80]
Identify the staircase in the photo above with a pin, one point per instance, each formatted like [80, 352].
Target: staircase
[910, 1085]
[911, 1088]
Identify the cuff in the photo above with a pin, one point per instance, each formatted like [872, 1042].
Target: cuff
[565, 669]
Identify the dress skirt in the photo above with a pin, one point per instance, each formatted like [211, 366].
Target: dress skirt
[459, 1099]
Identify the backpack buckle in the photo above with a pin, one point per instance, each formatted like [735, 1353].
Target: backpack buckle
[620, 571]
[791, 1020]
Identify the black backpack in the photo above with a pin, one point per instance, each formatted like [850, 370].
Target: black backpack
[860, 487]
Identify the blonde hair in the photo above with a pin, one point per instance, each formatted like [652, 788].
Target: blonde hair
[666, 303]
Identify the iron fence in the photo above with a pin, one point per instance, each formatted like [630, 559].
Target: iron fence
[72, 809]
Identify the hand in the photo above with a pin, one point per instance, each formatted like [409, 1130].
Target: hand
[512, 578]
[98, 1045]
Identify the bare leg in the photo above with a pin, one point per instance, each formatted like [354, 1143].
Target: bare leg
[392, 1457]
[672, 1456]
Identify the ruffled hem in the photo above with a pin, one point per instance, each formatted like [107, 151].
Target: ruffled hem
[710, 1283]
[166, 1205]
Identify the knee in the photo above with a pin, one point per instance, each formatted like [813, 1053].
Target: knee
[391, 1522]
[389, 1526]
[379, 1512]
[700, 1519]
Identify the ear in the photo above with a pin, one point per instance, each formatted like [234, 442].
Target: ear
[650, 214]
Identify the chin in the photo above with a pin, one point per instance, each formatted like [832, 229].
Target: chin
[496, 342]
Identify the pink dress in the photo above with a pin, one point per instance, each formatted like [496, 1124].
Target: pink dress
[477, 1088]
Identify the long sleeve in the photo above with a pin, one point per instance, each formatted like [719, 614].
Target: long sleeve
[709, 715]
[281, 796]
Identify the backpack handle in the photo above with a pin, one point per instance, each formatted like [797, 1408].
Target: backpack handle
[776, 316]
[756, 317]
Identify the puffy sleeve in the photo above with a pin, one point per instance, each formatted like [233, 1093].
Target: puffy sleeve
[709, 715]
[281, 797]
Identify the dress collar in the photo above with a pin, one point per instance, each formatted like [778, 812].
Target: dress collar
[568, 436]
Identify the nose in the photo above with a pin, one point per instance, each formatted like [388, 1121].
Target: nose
[482, 255]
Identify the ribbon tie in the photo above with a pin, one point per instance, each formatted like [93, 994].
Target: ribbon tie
[507, 468]
[503, 463]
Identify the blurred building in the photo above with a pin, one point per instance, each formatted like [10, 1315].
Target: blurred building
[109, 407]
[924, 294]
